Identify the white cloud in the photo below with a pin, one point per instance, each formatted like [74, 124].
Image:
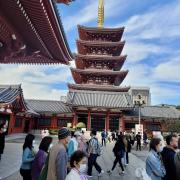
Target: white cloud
[37, 91]
[161, 22]
[168, 70]
[138, 51]
[37, 81]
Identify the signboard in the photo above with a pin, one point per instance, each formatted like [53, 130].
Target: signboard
[139, 128]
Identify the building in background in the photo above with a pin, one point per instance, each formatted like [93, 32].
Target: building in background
[143, 92]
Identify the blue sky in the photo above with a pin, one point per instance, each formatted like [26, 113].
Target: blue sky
[152, 35]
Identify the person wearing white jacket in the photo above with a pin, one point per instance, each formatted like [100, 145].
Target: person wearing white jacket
[78, 163]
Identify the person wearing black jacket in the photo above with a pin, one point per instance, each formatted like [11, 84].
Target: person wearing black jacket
[119, 150]
[2, 139]
[168, 155]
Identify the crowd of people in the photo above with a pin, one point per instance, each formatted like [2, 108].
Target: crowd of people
[164, 162]
[74, 156]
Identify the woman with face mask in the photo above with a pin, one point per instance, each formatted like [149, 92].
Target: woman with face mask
[154, 165]
[27, 157]
[41, 156]
[78, 162]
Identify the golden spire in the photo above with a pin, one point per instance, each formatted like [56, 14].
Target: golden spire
[101, 14]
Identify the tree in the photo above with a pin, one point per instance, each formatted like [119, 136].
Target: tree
[174, 127]
[178, 107]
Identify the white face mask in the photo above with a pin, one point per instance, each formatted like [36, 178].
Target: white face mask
[34, 142]
[83, 168]
[50, 146]
[160, 149]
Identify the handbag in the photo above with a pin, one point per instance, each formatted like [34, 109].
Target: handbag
[44, 171]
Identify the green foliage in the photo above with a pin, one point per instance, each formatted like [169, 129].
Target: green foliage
[175, 127]
[178, 107]
[55, 131]
[80, 125]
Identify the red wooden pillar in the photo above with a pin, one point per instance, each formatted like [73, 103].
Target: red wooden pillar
[54, 122]
[89, 121]
[74, 123]
[122, 124]
[11, 123]
[107, 121]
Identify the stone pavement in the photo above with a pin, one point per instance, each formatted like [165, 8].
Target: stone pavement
[11, 161]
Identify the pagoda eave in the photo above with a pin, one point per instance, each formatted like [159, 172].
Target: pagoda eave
[81, 61]
[96, 29]
[31, 60]
[96, 57]
[99, 72]
[97, 88]
[86, 33]
[40, 31]
[100, 43]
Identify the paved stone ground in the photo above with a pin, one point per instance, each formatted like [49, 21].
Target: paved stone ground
[11, 161]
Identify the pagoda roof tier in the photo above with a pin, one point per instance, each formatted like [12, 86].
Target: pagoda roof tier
[99, 99]
[31, 27]
[97, 87]
[85, 61]
[100, 47]
[81, 76]
[95, 33]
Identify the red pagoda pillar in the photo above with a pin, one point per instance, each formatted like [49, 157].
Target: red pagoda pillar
[11, 123]
[107, 121]
[122, 124]
[89, 121]
[74, 122]
[54, 122]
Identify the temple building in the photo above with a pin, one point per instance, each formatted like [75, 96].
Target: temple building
[31, 32]
[97, 98]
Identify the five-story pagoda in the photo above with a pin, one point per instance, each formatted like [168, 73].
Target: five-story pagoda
[97, 98]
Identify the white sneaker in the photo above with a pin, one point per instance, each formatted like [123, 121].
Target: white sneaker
[100, 174]
[122, 173]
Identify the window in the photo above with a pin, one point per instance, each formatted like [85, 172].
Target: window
[83, 118]
[44, 122]
[113, 123]
[18, 122]
[130, 125]
[63, 122]
[98, 122]
[154, 127]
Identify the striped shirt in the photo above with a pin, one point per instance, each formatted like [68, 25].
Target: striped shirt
[93, 146]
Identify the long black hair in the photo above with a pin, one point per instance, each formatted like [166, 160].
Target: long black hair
[154, 142]
[28, 141]
[45, 143]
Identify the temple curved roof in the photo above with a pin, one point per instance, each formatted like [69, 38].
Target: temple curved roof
[30, 30]
[115, 61]
[99, 99]
[11, 96]
[98, 88]
[117, 76]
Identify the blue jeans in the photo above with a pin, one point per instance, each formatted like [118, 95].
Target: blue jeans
[92, 162]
